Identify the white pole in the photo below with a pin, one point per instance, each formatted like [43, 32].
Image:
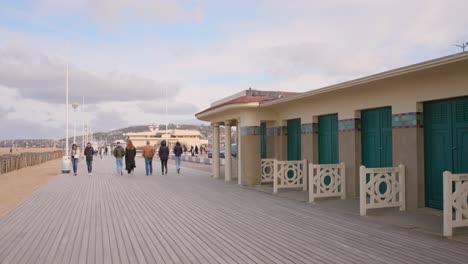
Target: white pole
[166, 110]
[66, 104]
[74, 128]
[82, 116]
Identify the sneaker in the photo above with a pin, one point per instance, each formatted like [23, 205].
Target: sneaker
[121, 173]
[178, 171]
[90, 174]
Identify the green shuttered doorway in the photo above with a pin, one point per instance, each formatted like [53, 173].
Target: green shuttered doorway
[328, 139]
[294, 139]
[445, 144]
[376, 136]
[263, 140]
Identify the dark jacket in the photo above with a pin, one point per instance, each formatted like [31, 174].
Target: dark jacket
[178, 150]
[163, 153]
[89, 153]
[130, 159]
[119, 152]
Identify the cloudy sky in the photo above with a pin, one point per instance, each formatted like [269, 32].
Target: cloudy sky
[129, 57]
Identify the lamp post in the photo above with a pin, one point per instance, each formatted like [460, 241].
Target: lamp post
[66, 162]
[75, 106]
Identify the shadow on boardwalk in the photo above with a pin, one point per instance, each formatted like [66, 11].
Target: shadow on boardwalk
[191, 218]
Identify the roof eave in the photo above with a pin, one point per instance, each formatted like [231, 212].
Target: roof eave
[375, 77]
[205, 115]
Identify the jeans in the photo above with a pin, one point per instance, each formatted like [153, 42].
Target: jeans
[119, 164]
[89, 163]
[177, 162]
[75, 164]
[164, 165]
[149, 166]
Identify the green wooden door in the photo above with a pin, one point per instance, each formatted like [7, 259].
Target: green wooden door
[294, 139]
[328, 139]
[376, 136]
[263, 140]
[445, 146]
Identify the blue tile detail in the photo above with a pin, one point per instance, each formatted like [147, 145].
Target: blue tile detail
[353, 124]
[250, 131]
[309, 128]
[408, 120]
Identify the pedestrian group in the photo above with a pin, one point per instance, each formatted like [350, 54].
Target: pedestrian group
[129, 153]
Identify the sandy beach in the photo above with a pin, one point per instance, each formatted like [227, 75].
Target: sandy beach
[18, 185]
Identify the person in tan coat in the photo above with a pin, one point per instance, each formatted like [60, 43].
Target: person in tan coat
[148, 154]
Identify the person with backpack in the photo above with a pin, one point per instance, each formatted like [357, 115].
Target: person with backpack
[89, 153]
[148, 154]
[119, 153]
[177, 153]
[163, 155]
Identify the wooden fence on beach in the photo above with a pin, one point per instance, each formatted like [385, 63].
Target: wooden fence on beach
[10, 162]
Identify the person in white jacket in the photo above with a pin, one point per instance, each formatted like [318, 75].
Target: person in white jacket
[75, 158]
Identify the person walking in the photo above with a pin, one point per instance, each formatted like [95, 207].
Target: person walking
[196, 151]
[130, 153]
[177, 153]
[148, 154]
[89, 153]
[191, 151]
[119, 153]
[163, 155]
[101, 151]
[75, 158]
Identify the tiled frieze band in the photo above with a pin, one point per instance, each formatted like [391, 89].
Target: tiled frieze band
[351, 124]
[309, 128]
[271, 131]
[408, 120]
[250, 131]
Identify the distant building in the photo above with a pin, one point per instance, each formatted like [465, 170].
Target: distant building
[155, 136]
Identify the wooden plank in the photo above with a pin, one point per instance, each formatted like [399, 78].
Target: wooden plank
[190, 218]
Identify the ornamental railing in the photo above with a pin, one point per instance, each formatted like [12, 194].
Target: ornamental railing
[327, 180]
[268, 170]
[290, 174]
[455, 201]
[382, 188]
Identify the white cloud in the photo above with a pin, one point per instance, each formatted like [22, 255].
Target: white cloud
[292, 46]
[114, 13]
[42, 77]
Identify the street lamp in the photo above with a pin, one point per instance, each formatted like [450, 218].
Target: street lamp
[66, 162]
[75, 106]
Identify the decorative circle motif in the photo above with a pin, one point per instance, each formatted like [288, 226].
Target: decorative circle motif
[382, 179]
[323, 180]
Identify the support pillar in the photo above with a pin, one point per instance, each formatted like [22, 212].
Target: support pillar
[408, 149]
[250, 155]
[349, 127]
[227, 152]
[239, 153]
[216, 160]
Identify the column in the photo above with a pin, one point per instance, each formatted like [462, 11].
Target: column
[250, 155]
[408, 149]
[349, 127]
[239, 153]
[309, 139]
[227, 152]
[216, 160]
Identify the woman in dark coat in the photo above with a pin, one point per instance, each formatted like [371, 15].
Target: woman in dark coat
[163, 155]
[130, 153]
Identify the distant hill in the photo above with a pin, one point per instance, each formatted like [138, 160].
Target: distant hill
[103, 136]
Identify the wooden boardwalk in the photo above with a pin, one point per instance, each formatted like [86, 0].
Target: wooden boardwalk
[191, 218]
